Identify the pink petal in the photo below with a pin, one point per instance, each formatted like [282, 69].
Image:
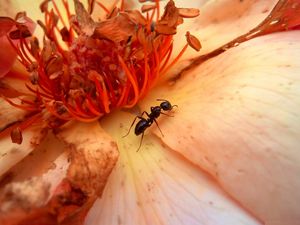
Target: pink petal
[156, 186]
[225, 24]
[238, 118]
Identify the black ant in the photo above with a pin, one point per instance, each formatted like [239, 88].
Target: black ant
[143, 124]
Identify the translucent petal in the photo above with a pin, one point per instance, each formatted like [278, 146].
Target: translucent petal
[156, 186]
[239, 119]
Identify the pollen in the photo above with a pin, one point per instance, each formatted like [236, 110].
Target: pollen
[85, 68]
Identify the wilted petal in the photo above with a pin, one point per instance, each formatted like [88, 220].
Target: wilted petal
[93, 155]
[28, 185]
[156, 186]
[49, 160]
[73, 179]
[238, 118]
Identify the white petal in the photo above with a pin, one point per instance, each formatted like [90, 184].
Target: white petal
[156, 186]
[11, 154]
[239, 119]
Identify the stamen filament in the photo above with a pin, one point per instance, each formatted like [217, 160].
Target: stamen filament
[169, 53]
[88, 68]
[92, 107]
[103, 7]
[58, 13]
[175, 60]
[132, 81]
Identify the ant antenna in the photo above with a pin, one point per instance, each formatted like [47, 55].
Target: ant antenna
[159, 128]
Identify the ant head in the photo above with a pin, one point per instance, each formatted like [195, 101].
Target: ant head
[166, 105]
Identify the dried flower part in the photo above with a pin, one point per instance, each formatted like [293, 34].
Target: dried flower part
[193, 41]
[16, 135]
[117, 29]
[28, 201]
[65, 34]
[25, 195]
[103, 65]
[20, 33]
[34, 47]
[171, 15]
[93, 155]
[165, 29]
[85, 22]
[188, 13]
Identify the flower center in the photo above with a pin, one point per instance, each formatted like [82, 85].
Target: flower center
[85, 68]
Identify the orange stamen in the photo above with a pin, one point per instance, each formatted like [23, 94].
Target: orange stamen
[23, 107]
[92, 107]
[103, 7]
[157, 10]
[58, 13]
[146, 75]
[122, 5]
[169, 53]
[132, 81]
[86, 73]
[175, 60]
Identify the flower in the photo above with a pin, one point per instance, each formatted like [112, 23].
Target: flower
[238, 121]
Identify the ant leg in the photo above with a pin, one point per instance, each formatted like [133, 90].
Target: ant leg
[144, 113]
[140, 142]
[166, 114]
[134, 122]
[158, 127]
[130, 127]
